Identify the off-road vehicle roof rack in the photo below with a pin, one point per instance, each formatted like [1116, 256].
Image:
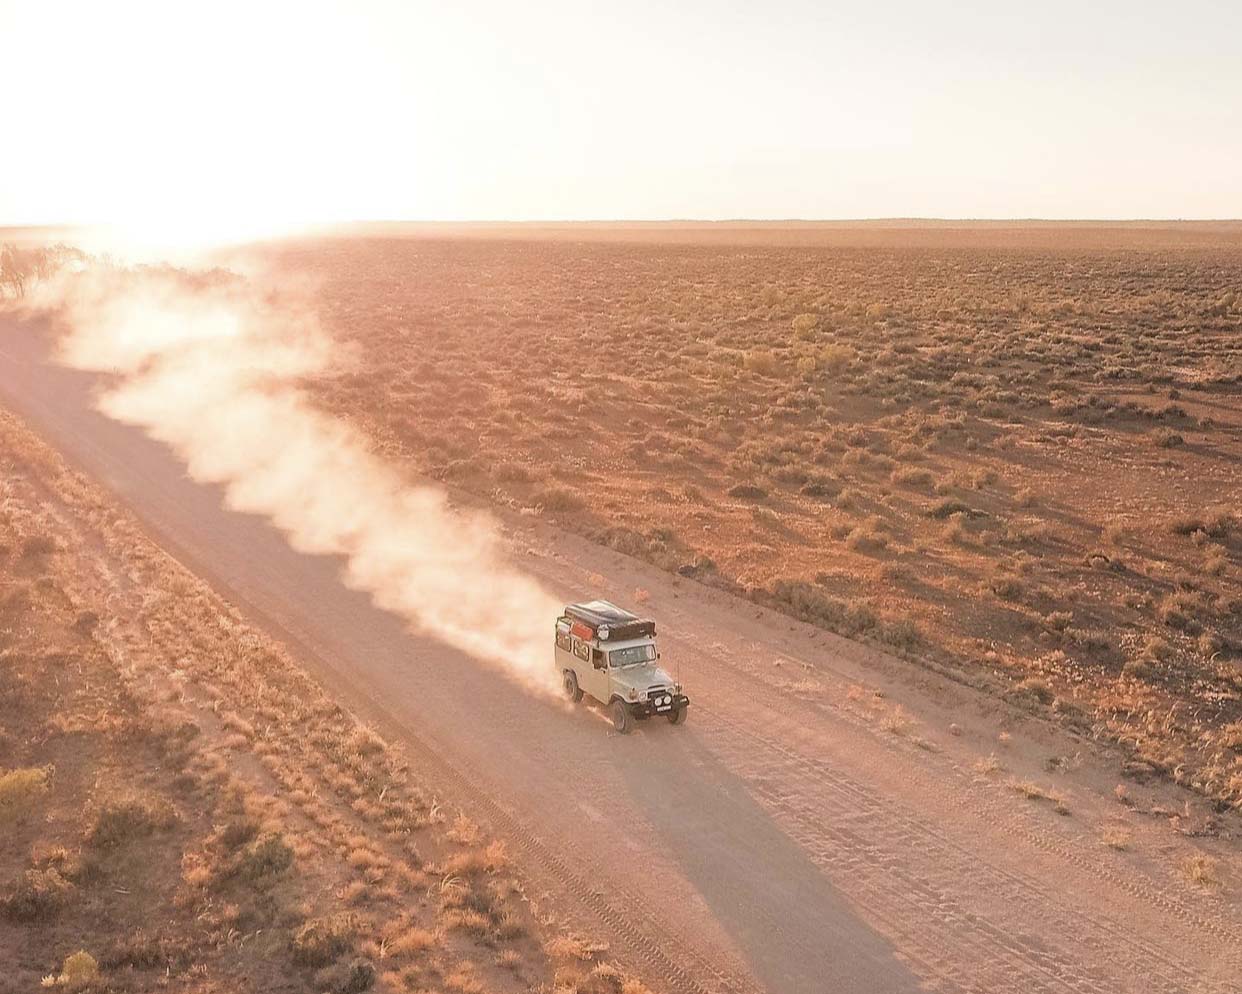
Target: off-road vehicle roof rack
[609, 622]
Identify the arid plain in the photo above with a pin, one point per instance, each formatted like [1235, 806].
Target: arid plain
[941, 525]
[1011, 450]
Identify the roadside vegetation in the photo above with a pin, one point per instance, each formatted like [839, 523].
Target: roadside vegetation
[181, 806]
[1012, 455]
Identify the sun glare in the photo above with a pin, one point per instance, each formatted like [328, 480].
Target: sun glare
[182, 238]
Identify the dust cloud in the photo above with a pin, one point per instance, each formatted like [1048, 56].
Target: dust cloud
[213, 364]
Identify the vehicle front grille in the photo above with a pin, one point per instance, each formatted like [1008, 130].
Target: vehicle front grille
[653, 692]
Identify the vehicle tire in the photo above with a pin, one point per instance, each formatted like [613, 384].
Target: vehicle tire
[620, 716]
[678, 717]
[572, 690]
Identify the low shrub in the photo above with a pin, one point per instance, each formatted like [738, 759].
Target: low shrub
[913, 477]
[266, 857]
[321, 941]
[1215, 523]
[1166, 438]
[810, 604]
[760, 362]
[78, 971]
[346, 978]
[867, 537]
[118, 822]
[38, 896]
[747, 491]
[944, 509]
[835, 357]
[558, 499]
[20, 787]
[1006, 586]
[804, 326]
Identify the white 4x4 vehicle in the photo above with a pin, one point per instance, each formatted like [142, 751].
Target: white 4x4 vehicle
[611, 654]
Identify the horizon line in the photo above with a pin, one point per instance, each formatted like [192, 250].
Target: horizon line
[791, 221]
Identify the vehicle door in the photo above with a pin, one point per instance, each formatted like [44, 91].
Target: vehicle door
[591, 676]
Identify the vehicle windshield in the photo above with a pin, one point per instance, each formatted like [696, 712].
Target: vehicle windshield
[632, 654]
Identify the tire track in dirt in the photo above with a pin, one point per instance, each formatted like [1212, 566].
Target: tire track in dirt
[669, 957]
[1031, 938]
[659, 947]
[870, 863]
[983, 797]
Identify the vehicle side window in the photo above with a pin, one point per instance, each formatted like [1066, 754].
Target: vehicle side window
[582, 650]
[563, 641]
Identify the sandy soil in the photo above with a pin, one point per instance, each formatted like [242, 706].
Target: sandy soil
[830, 818]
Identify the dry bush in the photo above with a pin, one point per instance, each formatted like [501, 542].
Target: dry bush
[321, 941]
[836, 357]
[804, 326]
[913, 477]
[258, 862]
[464, 831]
[868, 536]
[1166, 438]
[19, 788]
[37, 896]
[346, 978]
[1200, 870]
[989, 766]
[78, 972]
[120, 821]
[761, 362]
[558, 499]
[1117, 838]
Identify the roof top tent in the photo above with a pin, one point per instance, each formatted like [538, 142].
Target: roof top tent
[609, 622]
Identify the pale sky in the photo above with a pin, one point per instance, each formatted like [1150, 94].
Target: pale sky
[244, 112]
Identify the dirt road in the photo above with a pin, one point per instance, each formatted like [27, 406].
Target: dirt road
[817, 825]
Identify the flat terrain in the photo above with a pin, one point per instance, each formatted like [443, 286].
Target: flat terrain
[182, 808]
[1014, 451]
[831, 817]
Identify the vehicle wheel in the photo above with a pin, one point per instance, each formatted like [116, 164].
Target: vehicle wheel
[678, 717]
[572, 690]
[620, 716]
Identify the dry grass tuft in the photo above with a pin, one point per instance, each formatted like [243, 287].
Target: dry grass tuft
[19, 788]
[1117, 838]
[1200, 870]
